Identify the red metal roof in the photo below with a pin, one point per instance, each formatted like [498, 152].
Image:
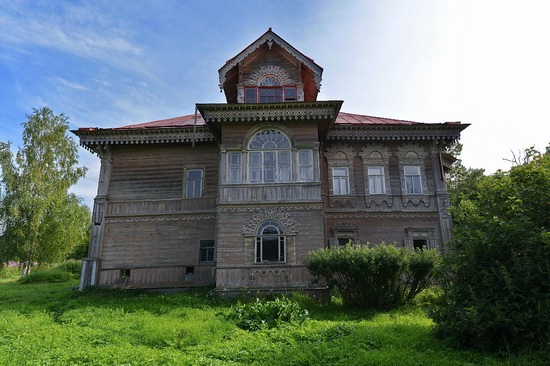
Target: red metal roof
[359, 119]
[189, 121]
[183, 121]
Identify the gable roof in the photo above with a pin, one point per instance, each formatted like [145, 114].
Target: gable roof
[342, 119]
[271, 37]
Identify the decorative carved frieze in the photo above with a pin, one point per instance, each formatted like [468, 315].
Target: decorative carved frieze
[343, 226]
[279, 214]
[256, 209]
[269, 114]
[96, 139]
[400, 215]
[342, 201]
[161, 219]
[392, 133]
[379, 201]
[278, 71]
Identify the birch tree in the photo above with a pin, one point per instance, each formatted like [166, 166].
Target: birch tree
[40, 218]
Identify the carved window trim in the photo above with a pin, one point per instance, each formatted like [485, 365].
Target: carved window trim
[278, 214]
[194, 185]
[376, 155]
[340, 155]
[416, 234]
[413, 155]
[344, 233]
[270, 236]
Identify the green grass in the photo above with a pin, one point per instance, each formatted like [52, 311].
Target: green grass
[53, 324]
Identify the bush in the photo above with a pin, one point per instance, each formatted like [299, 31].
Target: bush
[381, 278]
[48, 275]
[72, 266]
[497, 286]
[260, 314]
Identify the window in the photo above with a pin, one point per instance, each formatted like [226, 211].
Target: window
[377, 183]
[413, 183]
[269, 90]
[207, 250]
[270, 243]
[305, 165]
[340, 180]
[234, 167]
[269, 157]
[193, 183]
[420, 244]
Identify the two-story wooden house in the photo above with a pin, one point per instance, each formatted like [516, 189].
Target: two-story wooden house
[237, 194]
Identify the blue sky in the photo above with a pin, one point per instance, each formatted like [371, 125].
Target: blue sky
[111, 63]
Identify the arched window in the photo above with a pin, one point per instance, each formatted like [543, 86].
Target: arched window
[270, 157]
[270, 243]
[270, 89]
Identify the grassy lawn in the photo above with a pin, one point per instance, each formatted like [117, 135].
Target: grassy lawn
[52, 324]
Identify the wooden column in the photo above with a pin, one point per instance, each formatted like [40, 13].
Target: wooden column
[90, 264]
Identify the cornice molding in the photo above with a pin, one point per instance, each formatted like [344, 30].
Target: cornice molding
[266, 112]
[400, 132]
[90, 139]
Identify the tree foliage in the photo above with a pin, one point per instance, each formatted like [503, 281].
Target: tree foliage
[42, 221]
[382, 277]
[497, 283]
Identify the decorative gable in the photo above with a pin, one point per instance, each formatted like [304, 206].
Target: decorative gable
[270, 70]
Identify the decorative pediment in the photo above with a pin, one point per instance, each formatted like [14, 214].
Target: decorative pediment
[340, 151]
[278, 214]
[411, 152]
[278, 71]
[270, 38]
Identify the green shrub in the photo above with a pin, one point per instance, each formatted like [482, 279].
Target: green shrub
[53, 275]
[72, 266]
[274, 313]
[497, 286]
[382, 277]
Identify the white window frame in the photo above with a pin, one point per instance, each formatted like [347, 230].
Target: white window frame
[340, 182]
[413, 180]
[270, 163]
[305, 165]
[377, 180]
[234, 167]
[197, 183]
[261, 241]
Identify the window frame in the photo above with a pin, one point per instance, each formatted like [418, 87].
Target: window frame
[338, 179]
[261, 241]
[305, 166]
[193, 181]
[234, 170]
[253, 94]
[413, 181]
[269, 163]
[209, 248]
[376, 180]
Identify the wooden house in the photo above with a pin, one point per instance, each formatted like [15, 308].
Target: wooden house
[237, 194]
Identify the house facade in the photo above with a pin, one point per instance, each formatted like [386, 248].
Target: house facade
[237, 194]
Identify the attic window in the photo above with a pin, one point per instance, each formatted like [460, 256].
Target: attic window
[270, 90]
[270, 81]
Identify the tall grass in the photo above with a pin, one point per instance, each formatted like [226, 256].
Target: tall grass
[52, 324]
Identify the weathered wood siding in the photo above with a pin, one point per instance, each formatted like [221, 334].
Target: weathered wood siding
[157, 171]
[151, 229]
[384, 218]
